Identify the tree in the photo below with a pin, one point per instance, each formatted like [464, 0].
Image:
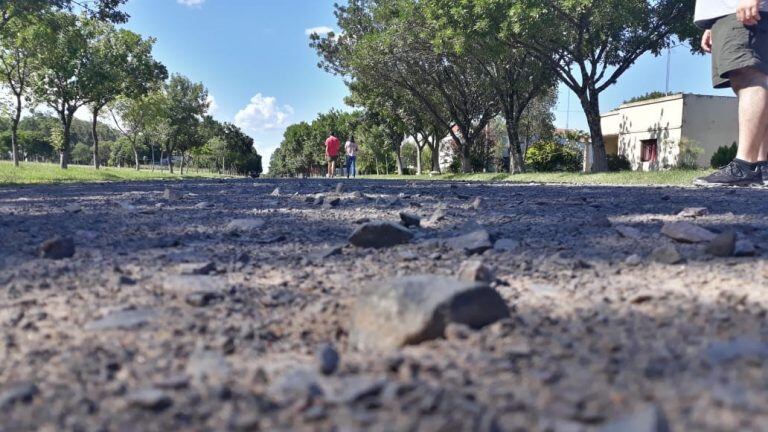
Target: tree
[105, 10]
[119, 63]
[59, 70]
[16, 56]
[388, 44]
[185, 104]
[135, 116]
[595, 42]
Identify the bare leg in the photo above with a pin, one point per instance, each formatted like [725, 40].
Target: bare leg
[333, 169]
[751, 86]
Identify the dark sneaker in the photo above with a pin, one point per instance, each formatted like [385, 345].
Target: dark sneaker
[735, 173]
[764, 171]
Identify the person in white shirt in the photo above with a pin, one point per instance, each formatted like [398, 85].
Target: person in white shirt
[351, 148]
[736, 34]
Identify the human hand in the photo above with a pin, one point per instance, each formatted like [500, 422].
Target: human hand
[706, 41]
[748, 12]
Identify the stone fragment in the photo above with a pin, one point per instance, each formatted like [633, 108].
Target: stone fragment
[438, 216]
[73, 208]
[380, 235]
[475, 271]
[477, 203]
[208, 366]
[633, 260]
[19, 392]
[126, 206]
[666, 254]
[294, 385]
[128, 319]
[340, 188]
[203, 298]
[649, 418]
[331, 203]
[354, 389]
[357, 195]
[149, 399]
[171, 195]
[57, 248]
[195, 283]
[204, 205]
[722, 352]
[687, 232]
[409, 310]
[724, 245]
[744, 248]
[244, 225]
[196, 268]
[629, 232]
[276, 192]
[410, 220]
[693, 212]
[319, 200]
[475, 242]
[506, 244]
[600, 221]
[328, 359]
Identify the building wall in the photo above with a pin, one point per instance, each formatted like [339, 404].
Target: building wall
[710, 122]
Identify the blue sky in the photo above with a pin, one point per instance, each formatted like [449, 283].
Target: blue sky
[254, 57]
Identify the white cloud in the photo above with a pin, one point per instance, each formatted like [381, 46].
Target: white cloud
[322, 30]
[212, 105]
[263, 114]
[191, 3]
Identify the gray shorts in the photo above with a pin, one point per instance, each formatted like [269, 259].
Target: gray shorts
[735, 46]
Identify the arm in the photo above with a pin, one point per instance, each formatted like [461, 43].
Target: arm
[706, 41]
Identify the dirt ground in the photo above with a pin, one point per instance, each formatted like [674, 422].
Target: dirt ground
[169, 316]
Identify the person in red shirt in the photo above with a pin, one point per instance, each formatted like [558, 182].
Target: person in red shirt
[332, 146]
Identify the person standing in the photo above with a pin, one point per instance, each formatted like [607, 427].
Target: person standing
[351, 148]
[332, 146]
[736, 34]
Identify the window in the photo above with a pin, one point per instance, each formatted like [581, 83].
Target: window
[650, 150]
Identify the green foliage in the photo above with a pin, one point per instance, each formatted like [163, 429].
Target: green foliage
[689, 154]
[724, 155]
[648, 96]
[618, 163]
[81, 154]
[549, 156]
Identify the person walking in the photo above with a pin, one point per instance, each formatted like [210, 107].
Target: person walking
[736, 34]
[332, 146]
[351, 149]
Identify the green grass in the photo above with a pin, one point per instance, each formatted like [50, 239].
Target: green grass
[42, 173]
[637, 178]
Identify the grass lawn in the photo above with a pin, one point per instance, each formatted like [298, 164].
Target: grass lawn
[41, 173]
[657, 178]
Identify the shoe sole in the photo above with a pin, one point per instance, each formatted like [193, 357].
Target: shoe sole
[720, 185]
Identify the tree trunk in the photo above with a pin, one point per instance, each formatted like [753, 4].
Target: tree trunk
[153, 157]
[64, 151]
[516, 160]
[435, 155]
[136, 157]
[95, 134]
[170, 160]
[15, 132]
[591, 104]
[464, 150]
[418, 159]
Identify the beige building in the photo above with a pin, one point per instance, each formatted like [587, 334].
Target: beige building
[648, 132]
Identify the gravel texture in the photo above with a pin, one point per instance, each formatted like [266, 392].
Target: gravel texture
[227, 305]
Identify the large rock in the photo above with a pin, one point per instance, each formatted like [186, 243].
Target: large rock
[724, 245]
[20, 392]
[687, 232]
[667, 254]
[57, 248]
[380, 235]
[474, 270]
[409, 310]
[410, 219]
[475, 242]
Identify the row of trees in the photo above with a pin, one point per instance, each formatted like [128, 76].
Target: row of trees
[52, 57]
[429, 67]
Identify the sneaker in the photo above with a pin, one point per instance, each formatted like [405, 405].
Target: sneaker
[736, 173]
[764, 171]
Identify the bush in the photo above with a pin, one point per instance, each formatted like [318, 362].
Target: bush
[724, 155]
[548, 156]
[618, 163]
[689, 154]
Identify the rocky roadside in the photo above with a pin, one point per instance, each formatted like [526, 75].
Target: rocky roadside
[294, 305]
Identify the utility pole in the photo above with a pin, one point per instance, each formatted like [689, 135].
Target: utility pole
[669, 67]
